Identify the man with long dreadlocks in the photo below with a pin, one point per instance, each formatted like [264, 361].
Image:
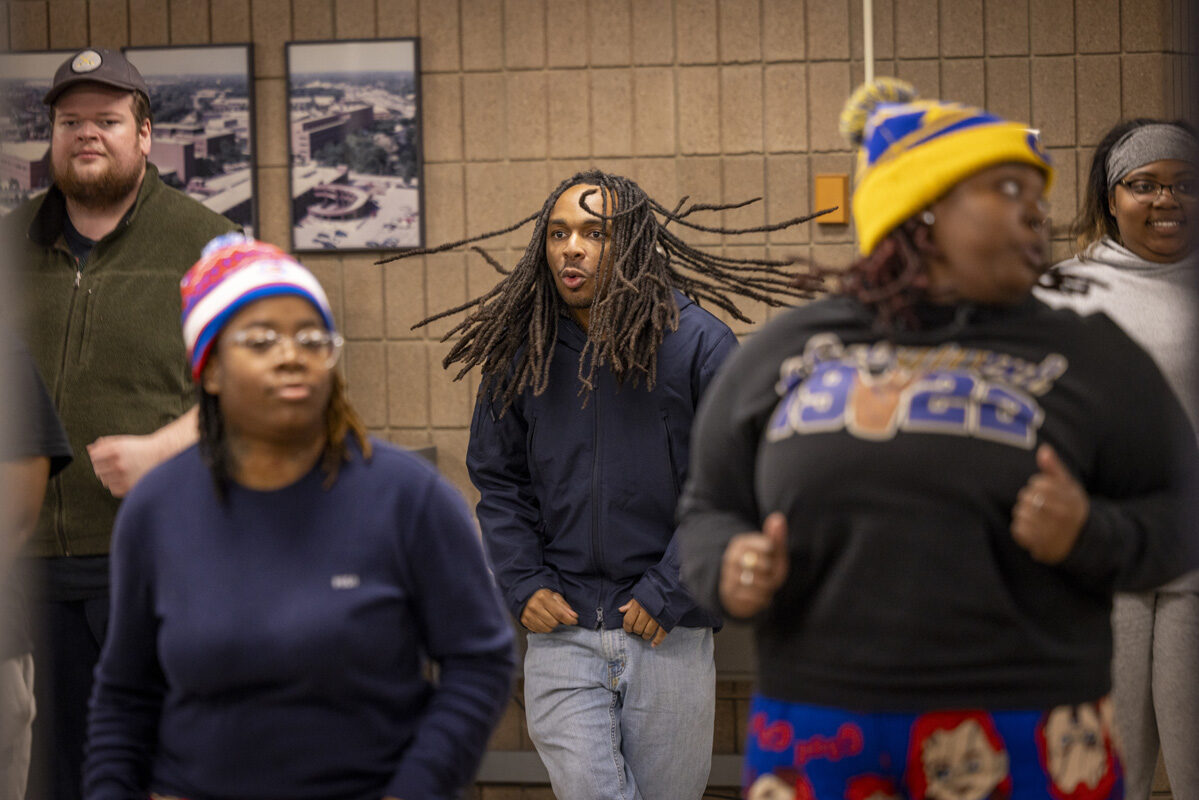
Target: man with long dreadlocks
[594, 355]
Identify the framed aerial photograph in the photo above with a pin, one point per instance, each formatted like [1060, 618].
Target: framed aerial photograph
[202, 99]
[25, 77]
[354, 145]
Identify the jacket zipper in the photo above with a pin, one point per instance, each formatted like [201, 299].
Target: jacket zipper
[59, 513]
[596, 549]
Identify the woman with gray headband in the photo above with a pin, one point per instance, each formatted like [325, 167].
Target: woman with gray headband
[1136, 235]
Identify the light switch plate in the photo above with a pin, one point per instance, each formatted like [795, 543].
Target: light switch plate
[832, 190]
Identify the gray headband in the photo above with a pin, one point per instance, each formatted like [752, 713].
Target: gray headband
[1146, 144]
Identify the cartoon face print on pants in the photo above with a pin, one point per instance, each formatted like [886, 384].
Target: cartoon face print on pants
[771, 787]
[957, 755]
[783, 783]
[871, 787]
[1076, 752]
[960, 764]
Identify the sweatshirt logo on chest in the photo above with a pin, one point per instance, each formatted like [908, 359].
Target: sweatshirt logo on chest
[346, 581]
[874, 391]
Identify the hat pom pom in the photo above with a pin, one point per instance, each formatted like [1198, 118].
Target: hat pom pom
[866, 98]
[223, 241]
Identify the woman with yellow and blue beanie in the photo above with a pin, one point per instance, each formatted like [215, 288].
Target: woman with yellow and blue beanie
[924, 489]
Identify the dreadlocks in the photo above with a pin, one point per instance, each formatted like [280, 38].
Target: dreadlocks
[341, 421]
[511, 331]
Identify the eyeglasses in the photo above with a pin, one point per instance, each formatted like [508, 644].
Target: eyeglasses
[312, 343]
[1146, 190]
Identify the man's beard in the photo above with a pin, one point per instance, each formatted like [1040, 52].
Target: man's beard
[101, 191]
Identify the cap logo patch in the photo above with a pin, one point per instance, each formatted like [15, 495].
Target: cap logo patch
[87, 61]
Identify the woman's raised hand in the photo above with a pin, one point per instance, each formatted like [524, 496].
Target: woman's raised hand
[754, 566]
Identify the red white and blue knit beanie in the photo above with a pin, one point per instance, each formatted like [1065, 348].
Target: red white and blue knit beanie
[234, 271]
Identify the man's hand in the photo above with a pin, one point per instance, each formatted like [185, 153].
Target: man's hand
[546, 610]
[637, 621]
[1050, 510]
[754, 566]
[121, 461]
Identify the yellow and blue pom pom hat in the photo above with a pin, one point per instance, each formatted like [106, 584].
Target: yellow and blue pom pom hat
[912, 152]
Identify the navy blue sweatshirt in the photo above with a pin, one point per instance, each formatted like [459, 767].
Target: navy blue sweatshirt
[581, 499]
[273, 647]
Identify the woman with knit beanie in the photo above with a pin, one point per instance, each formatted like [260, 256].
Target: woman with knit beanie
[279, 589]
[1136, 235]
[924, 489]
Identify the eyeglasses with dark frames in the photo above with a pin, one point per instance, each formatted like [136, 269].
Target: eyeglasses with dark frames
[1146, 190]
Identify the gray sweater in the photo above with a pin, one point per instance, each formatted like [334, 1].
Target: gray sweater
[1158, 306]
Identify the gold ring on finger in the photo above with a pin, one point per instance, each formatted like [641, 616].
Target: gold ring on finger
[749, 559]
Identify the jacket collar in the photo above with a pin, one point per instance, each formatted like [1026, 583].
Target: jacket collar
[47, 224]
[571, 333]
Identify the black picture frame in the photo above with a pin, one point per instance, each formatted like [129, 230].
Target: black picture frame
[25, 77]
[204, 135]
[355, 159]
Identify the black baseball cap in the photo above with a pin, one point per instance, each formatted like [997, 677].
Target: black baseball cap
[96, 65]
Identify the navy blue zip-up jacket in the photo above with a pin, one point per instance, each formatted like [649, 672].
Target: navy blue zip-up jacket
[581, 499]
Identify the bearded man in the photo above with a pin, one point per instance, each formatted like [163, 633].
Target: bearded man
[100, 254]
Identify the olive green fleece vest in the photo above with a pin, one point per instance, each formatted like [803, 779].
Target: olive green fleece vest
[107, 339]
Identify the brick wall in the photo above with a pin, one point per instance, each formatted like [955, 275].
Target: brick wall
[719, 99]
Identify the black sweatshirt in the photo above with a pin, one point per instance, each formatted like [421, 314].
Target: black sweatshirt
[897, 469]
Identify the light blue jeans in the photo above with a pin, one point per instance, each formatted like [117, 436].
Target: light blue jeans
[614, 719]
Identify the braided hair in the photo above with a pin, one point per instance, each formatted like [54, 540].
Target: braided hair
[892, 281]
[511, 330]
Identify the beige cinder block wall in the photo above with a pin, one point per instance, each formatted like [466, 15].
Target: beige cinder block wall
[719, 99]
